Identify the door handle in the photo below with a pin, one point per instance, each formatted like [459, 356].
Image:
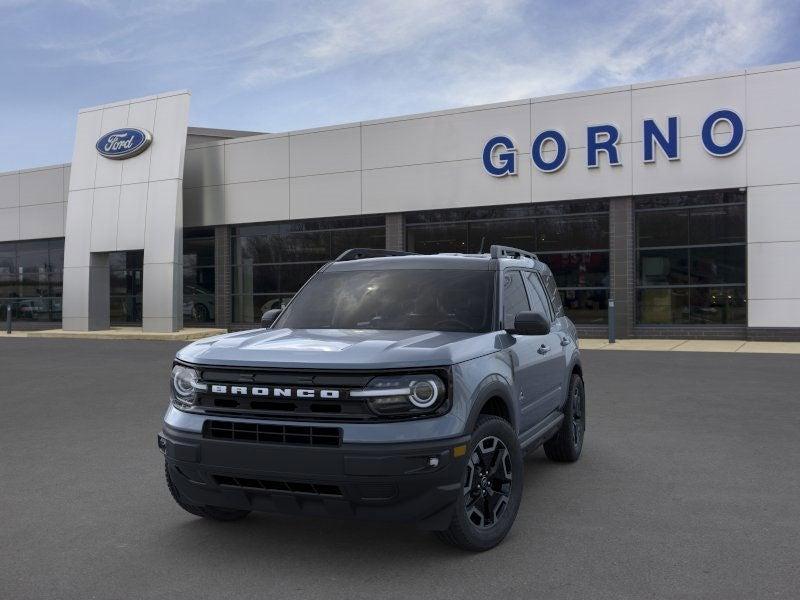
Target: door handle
[543, 349]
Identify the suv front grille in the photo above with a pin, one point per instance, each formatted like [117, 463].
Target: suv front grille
[296, 395]
[318, 489]
[328, 394]
[272, 434]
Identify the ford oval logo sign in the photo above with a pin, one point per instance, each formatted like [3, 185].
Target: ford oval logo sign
[123, 143]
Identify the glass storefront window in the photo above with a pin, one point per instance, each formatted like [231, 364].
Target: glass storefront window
[199, 283]
[578, 269]
[432, 239]
[572, 238]
[518, 234]
[692, 259]
[270, 262]
[587, 232]
[125, 269]
[31, 279]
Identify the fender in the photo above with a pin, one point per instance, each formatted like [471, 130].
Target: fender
[493, 386]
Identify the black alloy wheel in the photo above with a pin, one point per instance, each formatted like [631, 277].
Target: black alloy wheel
[567, 443]
[578, 400]
[491, 488]
[487, 485]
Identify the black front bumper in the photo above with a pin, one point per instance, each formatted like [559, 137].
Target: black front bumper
[392, 482]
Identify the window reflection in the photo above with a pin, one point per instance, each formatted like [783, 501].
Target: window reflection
[126, 287]
[31, 276]
[270, 262]
[688, 247]
[571, 237]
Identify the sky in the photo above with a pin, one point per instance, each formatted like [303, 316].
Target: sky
[283, 65]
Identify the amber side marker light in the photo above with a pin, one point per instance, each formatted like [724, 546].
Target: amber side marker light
[459, 451]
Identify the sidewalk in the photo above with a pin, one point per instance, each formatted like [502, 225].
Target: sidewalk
[119, 333]
[659, 345]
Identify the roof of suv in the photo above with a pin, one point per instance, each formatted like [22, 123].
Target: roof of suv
[399, 260]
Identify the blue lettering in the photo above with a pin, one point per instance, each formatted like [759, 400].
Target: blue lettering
[736, 140]
[561, 151]
[602, 138]
[507, 158]
[652, 135]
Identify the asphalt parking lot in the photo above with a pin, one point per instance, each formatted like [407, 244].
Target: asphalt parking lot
[689, 487]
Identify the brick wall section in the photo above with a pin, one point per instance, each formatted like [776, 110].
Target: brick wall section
[694, 332]
[621, 264]
[773, 334]
[592, 331]
[395, 232]
[222, 276]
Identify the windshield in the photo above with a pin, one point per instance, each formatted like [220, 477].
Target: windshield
[436, 300]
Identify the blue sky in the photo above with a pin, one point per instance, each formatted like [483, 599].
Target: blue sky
[277, 66]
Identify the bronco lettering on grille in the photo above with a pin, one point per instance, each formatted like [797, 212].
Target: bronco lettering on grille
[275, 392]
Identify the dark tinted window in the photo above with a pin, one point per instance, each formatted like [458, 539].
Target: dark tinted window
[552, 292]
[126, 270]
[31, 275]
[515, 298]
[567, 233]
[718, 264]
[718, 225]
[572, 238]
[537, 295]
[586, 306]
[688, 246]
[664, 267]
[519, 234]
[579, 269]
[199, 273]
[437, 300]
[438, 238]
[271, 261]
[662, 228]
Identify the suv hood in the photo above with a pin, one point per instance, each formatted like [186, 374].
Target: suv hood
[339, 348]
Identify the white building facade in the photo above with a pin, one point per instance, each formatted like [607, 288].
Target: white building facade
[678, 200]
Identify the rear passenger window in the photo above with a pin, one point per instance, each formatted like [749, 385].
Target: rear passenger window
[552, 292]
[537, 295]
[515, 299]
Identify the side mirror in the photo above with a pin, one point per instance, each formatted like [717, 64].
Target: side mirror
[531, 323]
[269, 317]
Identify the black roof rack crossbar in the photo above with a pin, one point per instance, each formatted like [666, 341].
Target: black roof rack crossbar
[358, 253]
[509, 252]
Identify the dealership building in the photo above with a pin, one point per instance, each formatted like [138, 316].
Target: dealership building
[677, 200]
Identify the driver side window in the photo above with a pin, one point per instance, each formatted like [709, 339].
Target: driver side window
[515, 298]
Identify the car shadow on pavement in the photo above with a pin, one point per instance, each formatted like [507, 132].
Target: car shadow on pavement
[276, 538]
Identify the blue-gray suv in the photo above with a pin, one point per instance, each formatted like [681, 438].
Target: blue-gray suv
[393, 386]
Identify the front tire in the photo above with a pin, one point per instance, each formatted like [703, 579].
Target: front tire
[492, 488]
[567, 443]
[207, 512]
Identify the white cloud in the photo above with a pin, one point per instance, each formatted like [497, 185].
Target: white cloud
[328, 38]
[674, 40]
[470, 52]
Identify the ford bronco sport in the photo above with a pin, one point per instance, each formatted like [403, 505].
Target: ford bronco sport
[392, 386]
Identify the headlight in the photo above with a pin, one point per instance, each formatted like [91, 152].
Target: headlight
[404, 395]
[185, 383]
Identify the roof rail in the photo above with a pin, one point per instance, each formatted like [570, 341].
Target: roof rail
[509, 252]
[358, 253]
